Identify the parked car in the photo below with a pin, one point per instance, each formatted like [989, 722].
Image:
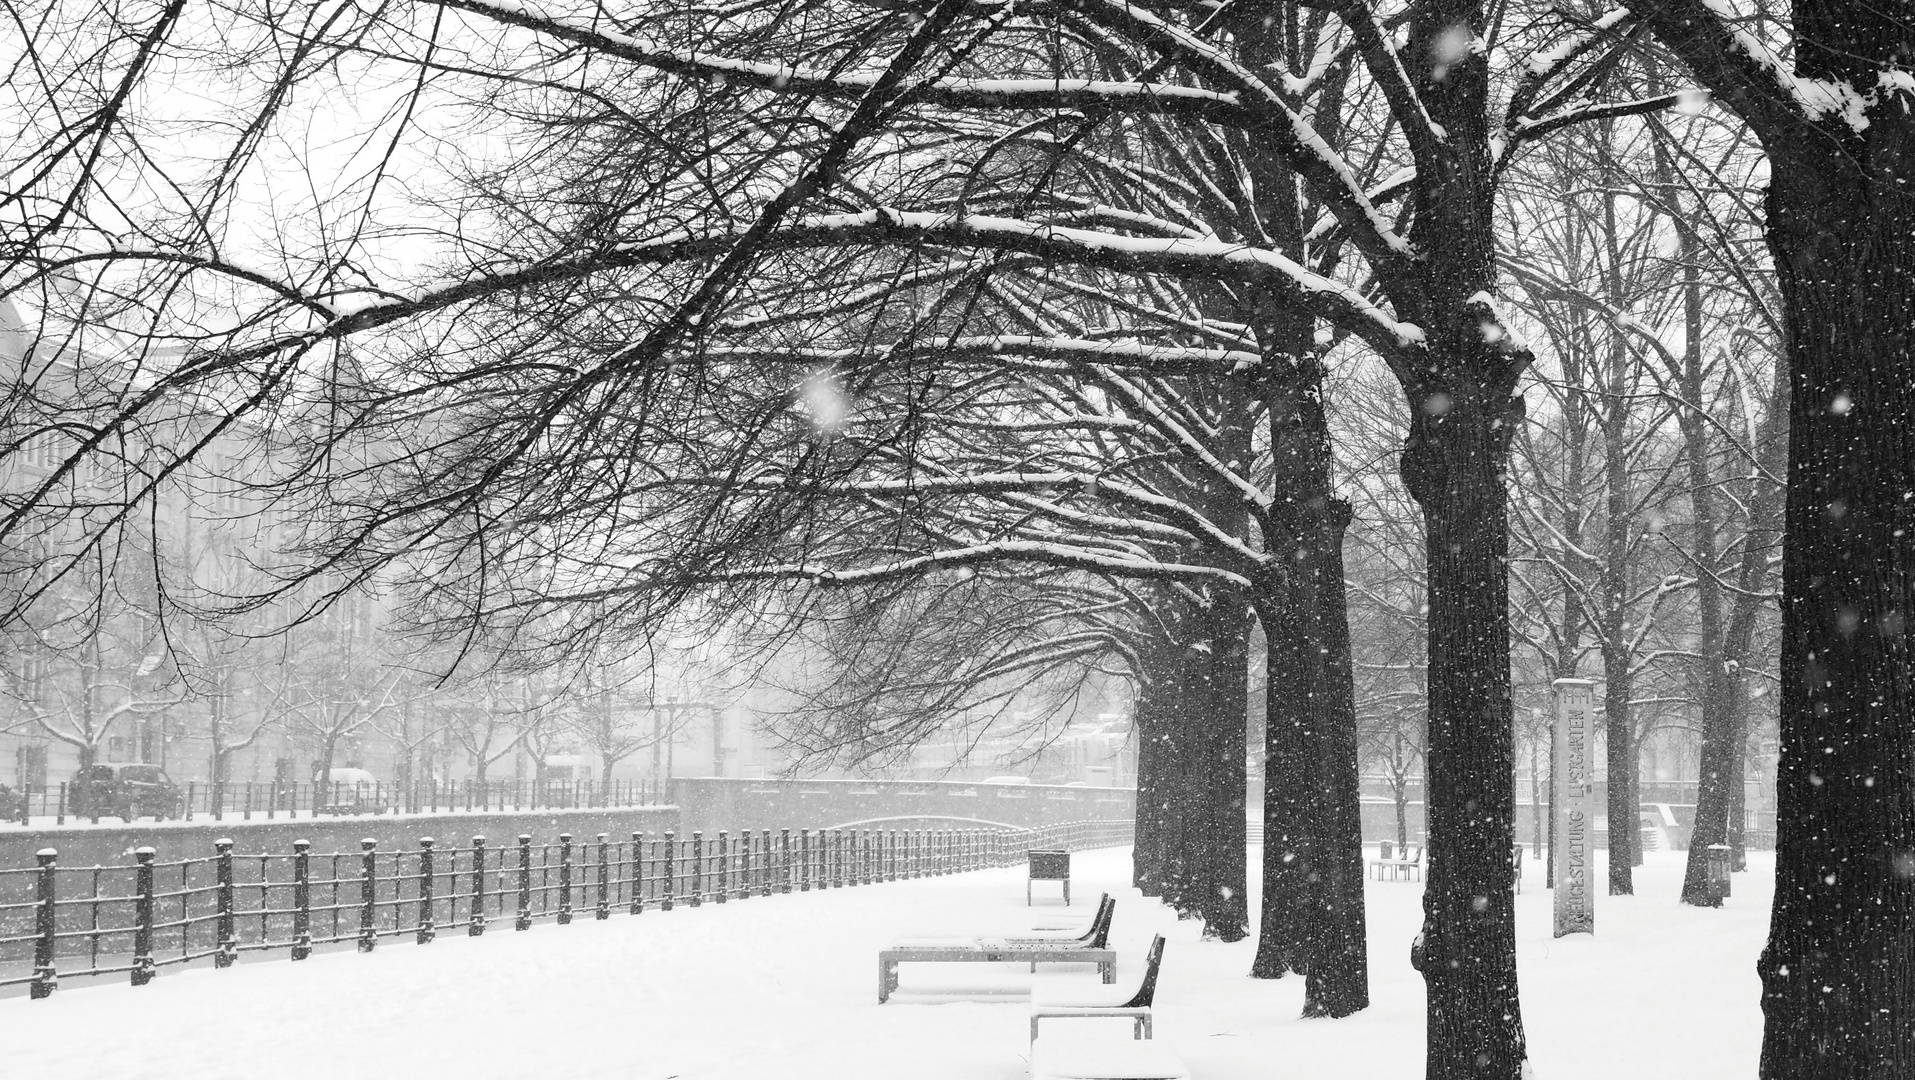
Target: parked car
[126, 790]
[349, 791]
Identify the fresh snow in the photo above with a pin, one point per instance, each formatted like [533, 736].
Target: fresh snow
[787, 986]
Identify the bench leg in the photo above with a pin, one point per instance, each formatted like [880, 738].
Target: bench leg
[1034, 1028]
[1109, 971]
[887, 978]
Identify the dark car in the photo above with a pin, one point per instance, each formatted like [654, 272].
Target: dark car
[126, 791]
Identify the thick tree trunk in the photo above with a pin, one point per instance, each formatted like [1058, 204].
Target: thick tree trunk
[1191, 720]
[1284, 929]
[1838, 972]
[1314, 873]
[1147, 855]
[1339, 975]
[1215, 888]
[1453, 467]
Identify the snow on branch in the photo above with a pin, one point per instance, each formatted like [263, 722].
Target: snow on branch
[1744, 73]
[1584, 110]
[1386, 67]
[1289, 133]
[1060, 555]
[1330, 299]
[961, 93]
[1160, 358]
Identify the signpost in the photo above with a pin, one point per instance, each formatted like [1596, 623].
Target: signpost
[1575, 904]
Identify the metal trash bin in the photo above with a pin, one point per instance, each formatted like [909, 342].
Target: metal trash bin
[1718, 872]
[1049, 866]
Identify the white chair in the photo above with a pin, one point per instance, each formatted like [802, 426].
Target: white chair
[1135, 1005]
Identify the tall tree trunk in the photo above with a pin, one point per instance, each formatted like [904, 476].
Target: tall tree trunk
[1192, 721]
[1216, 855]
[1838, 972]
[1284, 928]
[1739, 808]
[1147, 855]
[1315, 874]
[1467, 951]
[1613, 582]
[1463, 412]
[1728, 627]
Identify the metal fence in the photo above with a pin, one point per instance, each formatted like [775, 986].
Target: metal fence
[249, 800]
[85, 921]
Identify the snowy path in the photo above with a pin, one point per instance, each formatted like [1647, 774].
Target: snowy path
[786, 986]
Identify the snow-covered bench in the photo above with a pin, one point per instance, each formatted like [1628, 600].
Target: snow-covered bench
[986, 952]
[1054, 1057]
[1133, 1005]
[1091, 948]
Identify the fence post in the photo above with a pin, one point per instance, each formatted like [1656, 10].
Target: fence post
[302, 899]
[604, 880]
[747, 847]
[804, 860]
[766, 861]
[698, 867]
[189, 800]
[45, 978]
[475, 923]
[223, 870]
[784, 858]
[723, 884]
[143, 918]
[59, 817]
[524, 921]
[671, 869]
[368, 896]
[565, 878]
[638, 872]
[426, 929]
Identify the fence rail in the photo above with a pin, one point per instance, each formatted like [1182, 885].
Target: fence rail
[250, 800]
[137, 918]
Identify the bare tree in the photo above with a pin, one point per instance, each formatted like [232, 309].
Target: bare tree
[594, 285]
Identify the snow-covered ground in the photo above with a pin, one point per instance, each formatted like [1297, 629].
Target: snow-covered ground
[787, 986]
